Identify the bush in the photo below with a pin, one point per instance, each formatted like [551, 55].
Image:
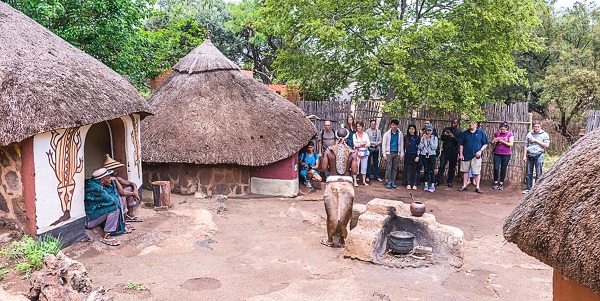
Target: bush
[29, 253]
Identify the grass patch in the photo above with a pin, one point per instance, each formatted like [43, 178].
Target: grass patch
[135, 286]
[28, 254]
[549, 160]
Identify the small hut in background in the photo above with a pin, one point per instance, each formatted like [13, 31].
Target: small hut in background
[220, 132]
[557, 222]
[60, 111]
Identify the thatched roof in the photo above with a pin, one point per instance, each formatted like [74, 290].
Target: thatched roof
[208, 112]
[557, 222]
[46, 83]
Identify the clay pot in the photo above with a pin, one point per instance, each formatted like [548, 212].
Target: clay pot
[417, 208]
[401, 242]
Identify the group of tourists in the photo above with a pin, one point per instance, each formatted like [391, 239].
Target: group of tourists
[110, 201]
[419, 150]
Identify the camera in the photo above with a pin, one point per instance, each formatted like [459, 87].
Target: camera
[447, 132]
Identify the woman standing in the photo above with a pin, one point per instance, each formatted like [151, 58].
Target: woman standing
[351, 127]
[361, 144]
[427, 151]
[411, 147]
[503, 142]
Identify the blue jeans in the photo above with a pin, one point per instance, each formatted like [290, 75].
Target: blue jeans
[532, 162]
[373, 170]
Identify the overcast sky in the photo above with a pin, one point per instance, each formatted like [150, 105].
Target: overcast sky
[568, 3]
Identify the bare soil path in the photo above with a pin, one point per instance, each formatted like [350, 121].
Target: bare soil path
[268, 249]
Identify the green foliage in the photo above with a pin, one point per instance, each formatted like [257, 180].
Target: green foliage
[29, 254]
[135, 286]
[3, 271]
[442, 54]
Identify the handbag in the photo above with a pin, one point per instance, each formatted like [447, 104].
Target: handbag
[373, 149]
[363, 153]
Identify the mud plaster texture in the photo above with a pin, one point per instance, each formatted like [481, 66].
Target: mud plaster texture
[268, 249]
[12, 206]
[188, 179]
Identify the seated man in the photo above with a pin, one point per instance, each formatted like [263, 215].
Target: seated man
[103, 205]
[309, 162]
[130, 197]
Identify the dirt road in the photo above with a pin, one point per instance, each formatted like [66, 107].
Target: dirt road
[268, 249]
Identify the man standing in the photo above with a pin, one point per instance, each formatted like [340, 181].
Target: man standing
[450, 148]
[536, 143]
[472, 144]
[326, 139]
[392, 147]
[373, 163]
[341, 163]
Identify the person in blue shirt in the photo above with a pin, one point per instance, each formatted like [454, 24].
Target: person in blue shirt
[309, 162]
[472, 144]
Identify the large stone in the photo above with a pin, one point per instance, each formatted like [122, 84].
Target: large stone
[61, 278]
[13, 181]
[368, 240]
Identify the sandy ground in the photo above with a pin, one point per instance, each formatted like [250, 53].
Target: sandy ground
[268, 249]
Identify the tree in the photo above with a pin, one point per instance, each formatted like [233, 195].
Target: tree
[110, 31]
[257, 49]
[444, 54]
[571, 82]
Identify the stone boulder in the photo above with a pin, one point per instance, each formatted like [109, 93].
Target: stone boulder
[367, 241]
[60, 278]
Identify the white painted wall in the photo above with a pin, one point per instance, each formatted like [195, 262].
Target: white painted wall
[48, 203]
[132, 170]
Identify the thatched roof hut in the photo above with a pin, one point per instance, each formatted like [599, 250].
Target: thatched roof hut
[46, 83]
[557, 222]
[209, 112]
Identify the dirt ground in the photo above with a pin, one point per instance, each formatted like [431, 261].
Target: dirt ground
[259, 248]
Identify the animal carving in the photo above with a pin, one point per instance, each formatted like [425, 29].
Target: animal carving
[65, 163]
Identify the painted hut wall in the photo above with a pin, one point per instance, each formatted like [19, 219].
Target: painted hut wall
[277, 179]
[132, 148]
[185, 178]
[59, 175]
[565, 289]
[12, 206]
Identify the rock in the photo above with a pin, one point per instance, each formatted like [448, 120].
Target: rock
[200, 195]
[60, 278]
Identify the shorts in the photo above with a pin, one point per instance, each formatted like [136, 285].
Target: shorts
[474, 164]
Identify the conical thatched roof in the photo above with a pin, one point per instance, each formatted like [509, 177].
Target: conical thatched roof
[558, 221]
[208, 112]
[46, 83]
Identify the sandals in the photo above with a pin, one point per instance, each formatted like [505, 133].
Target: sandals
[326, 243]
[109, 241]
[133, 219]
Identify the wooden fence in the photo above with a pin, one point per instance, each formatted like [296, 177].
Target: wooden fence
[593, 121]
[516, 115]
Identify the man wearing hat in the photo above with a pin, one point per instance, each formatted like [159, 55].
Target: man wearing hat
[103, 205]
[341, 163]
[130, 197]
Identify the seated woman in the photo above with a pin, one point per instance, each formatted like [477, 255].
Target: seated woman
[130, 197]
[103, 205]
[309, 161]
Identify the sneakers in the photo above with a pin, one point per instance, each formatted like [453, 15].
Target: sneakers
[388, 185]
[393, 185]
[407, 187]
[308, 184]
[426, 187]
[450, 184]
[500, 186]
[432, 188]
[495, 186]
[526, 191]
[414, 187]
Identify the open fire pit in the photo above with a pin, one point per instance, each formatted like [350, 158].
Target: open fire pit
[436, 243]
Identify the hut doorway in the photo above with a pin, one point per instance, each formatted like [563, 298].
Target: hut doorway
[102, 138]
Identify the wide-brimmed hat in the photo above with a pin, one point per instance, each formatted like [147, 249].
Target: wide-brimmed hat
[101, 173]
[110, 163]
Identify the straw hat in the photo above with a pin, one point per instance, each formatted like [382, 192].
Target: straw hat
[101, 173]
[110, 163]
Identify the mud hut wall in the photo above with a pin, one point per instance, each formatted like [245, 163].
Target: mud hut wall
[565, 289]
[59, 175]
[185, 178]
[12, 205]
[133, 148]
[516, 115]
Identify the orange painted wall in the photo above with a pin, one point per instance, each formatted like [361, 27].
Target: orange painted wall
[566, 289]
